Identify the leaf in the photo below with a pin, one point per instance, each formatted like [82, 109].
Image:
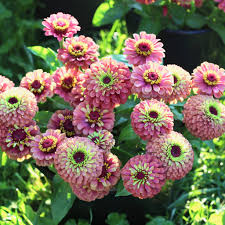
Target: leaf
[4, 12]
[121, 191]
[178, 14]
[62, 199]
[195, 20]
[108, 12]
[150, 24]
[127, 134]
[3, 158]
[42, 118]
[49, 56]
[217, 218]
[59, 103]
[219, 28]
[117, 219]
[70, 222]
[160, 220]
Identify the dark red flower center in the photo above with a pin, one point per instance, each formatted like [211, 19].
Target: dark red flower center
[144, 47]
[79, 157]
[19, 135]
[13, 100]
[68, 125]
[140, 175]
[175, 151]
[36, 84]
[213, 110]
[175, 79]
[94, 139]
[153, 76]
[106, 80]
[94, 115]
[78, 48]
[47, 143]
[211, 77]
[104, 171]
[153, 115]
[67, 84]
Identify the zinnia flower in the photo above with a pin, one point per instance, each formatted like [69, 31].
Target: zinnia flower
[60, 25]
[88, 118]
[110, 174]
[16, 140]
[221, 4]
[175, 152]
[204, 117]
[151, 118]
[44, 146]
[39, 83]
[181, 86]
[17, 106]
[77, 160]
[187, 3]
[69, 84]
[103, 138]
[144, 48]
[107, 84]
[143, 176]
[62, 120]
[151, 80]
[5, 84]
[78, 52]
[209, 79]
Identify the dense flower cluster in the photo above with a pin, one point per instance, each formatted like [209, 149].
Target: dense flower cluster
[78, 140]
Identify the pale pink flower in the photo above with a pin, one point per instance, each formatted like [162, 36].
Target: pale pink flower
[5, 84]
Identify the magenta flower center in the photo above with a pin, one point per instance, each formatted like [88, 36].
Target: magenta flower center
[175, 151]
[213, 110]
[153, 115]
[47, 143]
[140, 175]
[143, 47]
[79, 157]
[68, 83]
[19, 135]
[77, 49]
[211, 77]
[94, 115]
[153, 76]
[68, 125]
[13, 100]
[36, 84]
[61, 25]
[106, 80]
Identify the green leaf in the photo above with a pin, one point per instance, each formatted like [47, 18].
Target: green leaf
[178, 14]
[195, 20]
[217, 218]
[3, 158]
[71, 222]
[4, 12]
[42, 118]
[219, 28]
[117, 219]
[160, 220]
[150, 25]
[49, 56]
[121, 191]
[127, 134]
[59, 103]
[108, 12]
[62, 199]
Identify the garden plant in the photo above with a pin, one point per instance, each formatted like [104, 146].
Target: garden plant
[119, 125]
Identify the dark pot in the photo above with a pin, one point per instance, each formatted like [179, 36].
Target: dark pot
[189, 49]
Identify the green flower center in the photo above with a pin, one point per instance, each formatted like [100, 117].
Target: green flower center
[153, 115]
[175, 151]
[106, 80]
[176, 80]
[77, 49]
[213, 111]
[144, 47]
[13, 100]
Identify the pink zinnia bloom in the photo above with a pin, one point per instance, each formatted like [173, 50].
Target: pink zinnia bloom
[60, 25]
[5, 84]
[78, 51]
[110, 174]
[103, 138]
[204, 117]
[69, 84]
[85, 193]
[175, 152]
[143, 176]
[17, 106]
[44, 146]
[187, 3]
[16, 140]
[144, 48]
[88, 118]
[209, 79]
[151, 80]
[181, 86]
[146, 2]
[77, 160]
[151, 118]
[221, 4]
[39, 83]
[62, 120]
[108, 83]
